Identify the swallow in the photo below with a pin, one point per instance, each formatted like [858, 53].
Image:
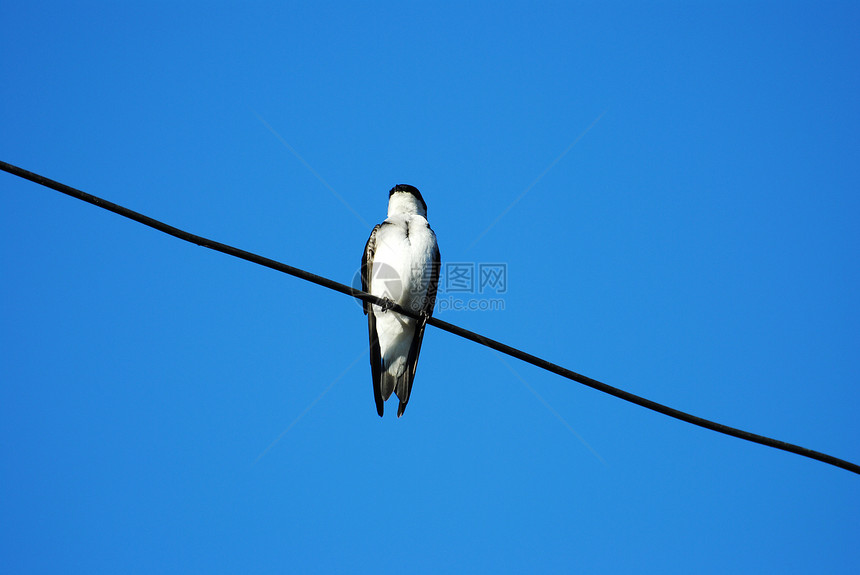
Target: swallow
[401, 263]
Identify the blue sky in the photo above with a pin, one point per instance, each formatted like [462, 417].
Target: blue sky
[696, 245]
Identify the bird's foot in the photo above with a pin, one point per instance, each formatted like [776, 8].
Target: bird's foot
[386, 304]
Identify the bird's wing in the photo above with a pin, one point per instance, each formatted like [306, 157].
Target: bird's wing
[375, 353]
[430, 302]
[367, 264]
[420, 324]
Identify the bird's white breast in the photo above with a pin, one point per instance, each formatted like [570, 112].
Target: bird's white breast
[404, 256]
[405, 247]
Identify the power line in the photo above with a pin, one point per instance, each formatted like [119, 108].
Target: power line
[451, 328]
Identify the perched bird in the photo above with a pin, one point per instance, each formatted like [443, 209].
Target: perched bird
[400, 263]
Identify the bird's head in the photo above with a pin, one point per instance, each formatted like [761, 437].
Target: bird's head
[406, 199]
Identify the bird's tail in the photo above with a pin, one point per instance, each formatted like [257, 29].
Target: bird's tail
[388, 385]
[403, 388]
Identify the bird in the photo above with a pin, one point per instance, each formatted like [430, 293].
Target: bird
[400, 264]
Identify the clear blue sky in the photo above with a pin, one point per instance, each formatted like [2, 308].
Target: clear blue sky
[698, 245]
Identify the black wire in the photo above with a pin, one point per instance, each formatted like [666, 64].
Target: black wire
[456, 330]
